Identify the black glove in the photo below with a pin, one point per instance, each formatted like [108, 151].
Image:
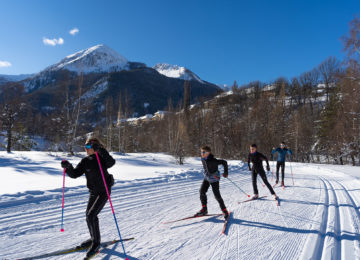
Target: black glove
[65, 164]
[95, 146]
[225, 174]
[267, 167]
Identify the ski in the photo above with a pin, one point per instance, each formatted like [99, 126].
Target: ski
[207, 215]
[274, 185]
[225, 224]
[251, 199]
[74, 249]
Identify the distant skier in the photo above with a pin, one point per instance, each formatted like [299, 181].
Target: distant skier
[257, 159]
[98, 197]
[281, 151]
[211, 177]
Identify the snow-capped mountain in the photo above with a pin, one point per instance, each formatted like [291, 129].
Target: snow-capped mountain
[175, 71]
[99, 58]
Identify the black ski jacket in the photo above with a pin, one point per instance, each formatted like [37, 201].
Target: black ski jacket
[257, 159]
[89, 165]
[211, 170]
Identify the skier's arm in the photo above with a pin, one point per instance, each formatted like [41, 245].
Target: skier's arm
[264, 158]
[225, 165]
[77, 172]
[289, 152]
[109, 161]
[249, 162]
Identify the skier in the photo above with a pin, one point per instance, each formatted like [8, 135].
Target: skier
[281, 151]
[98, 196]
[211, 177]
[256, 159]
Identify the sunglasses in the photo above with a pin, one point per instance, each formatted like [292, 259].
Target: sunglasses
[282, 145]
[88, 146]
[203, 152]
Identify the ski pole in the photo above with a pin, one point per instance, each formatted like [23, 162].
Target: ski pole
[238, 187]
[62, 208]
[112, 208]
[292, 173]
[272, 170]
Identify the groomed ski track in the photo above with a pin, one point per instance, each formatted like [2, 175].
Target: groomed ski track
[318, 219]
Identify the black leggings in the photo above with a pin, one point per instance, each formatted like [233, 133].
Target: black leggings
[96, 203]
[282, 165]
[262, 174]
[216, 190]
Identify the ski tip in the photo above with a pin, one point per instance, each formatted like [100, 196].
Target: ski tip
[62, 230]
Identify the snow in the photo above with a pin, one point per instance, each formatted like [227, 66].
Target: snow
[19, 77]
[99, 87]
[175, 71]
[318, 217]
[99, 58]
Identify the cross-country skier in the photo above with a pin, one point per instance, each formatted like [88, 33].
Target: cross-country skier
[281, 151]
[257, 159]
[98, 196]
[211, 177]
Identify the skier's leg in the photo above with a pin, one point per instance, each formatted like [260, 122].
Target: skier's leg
[216, 190]
[203, 189]
[277, 171]
[91, 216]
[253, 176]
[92, 199]
[263, 177]
[283, 171]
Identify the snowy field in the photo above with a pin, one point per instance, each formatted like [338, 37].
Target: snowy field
[318, 217]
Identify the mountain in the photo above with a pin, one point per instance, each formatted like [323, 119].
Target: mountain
[103, 75]
[99, 58]
[13, 78]
[175, 71]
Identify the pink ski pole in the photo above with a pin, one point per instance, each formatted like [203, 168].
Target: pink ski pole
[62, 208]
[112, 208]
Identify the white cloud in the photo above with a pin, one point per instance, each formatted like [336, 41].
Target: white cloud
[4, 64]
[74, 31]
[53, 42]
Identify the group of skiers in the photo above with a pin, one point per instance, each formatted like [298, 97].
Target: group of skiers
[98, 195]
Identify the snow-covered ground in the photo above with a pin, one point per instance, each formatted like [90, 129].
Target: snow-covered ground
[318, 217]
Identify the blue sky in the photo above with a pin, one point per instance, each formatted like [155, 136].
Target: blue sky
[221, 41]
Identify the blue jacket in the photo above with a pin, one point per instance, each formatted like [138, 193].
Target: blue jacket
[281, 153]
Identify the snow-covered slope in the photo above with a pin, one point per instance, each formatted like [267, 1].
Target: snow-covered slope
[14, 78]
[318, 217]
[99, 58]
[175, 71]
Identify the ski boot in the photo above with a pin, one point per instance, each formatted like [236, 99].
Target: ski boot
[226, 213]
[282, 184]
[93, 250]
[275, 197]
[202, 212]
[85, 244]
[255, 197]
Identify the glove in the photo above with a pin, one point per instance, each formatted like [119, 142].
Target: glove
[225, 174]
[267, 167]
[95, 146]
[65, 164]
[249, 169]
